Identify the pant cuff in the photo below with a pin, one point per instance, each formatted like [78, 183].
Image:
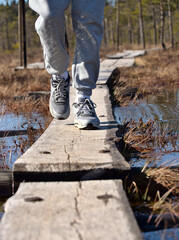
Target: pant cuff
[87, 92]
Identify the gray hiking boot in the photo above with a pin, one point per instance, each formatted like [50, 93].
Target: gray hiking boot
[59, 97]
[85, 115]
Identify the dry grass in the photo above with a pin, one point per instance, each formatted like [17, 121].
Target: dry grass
[19, 83]
[165, 176]
[156, 189]
[156, 192]
[151, 74]
[148, 140]
[167, 203]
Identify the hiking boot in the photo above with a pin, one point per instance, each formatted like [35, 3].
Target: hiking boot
[85, 115]
[59, 97]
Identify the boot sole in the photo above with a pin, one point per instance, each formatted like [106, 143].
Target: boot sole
[89, 126]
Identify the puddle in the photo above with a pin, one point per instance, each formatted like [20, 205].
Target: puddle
[164, 109]
[168, 234]
[11, 147]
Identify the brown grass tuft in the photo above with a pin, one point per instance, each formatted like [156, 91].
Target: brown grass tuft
[151, 74]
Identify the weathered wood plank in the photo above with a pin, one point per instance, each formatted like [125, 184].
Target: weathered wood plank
[5, 183]
[78, 210]
[31, 66]
[64, 148]
[134, 53]
[108, 65]
[127, 54]
[117, 55]
[10, 133]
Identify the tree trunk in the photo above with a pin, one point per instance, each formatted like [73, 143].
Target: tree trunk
[141, 24]
[130, 29]
[170, 24]
[7, 34]
[22, 34]
[138, 32]
[112, 33]
[104, 35]
[117, 24]
[130, 26]
[162, 24]
[106, 32]
[154, 24]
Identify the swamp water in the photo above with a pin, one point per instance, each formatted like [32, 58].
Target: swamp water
[12, 146]
[168, 234]
[164, 109]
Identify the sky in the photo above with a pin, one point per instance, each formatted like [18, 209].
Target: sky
[4, 1]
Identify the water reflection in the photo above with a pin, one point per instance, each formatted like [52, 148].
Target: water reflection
[13, 146]
[164, 108]
[167, 234]
[12, 121]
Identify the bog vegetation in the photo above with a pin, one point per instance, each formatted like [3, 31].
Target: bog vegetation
[127, 24]
[154, 189]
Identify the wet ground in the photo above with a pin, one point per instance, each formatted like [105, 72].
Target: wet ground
[164, 109]
[12, 146]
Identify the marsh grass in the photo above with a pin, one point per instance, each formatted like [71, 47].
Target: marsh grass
[149, 140]
[20, 83]
[18, 145]
[155, 190]
[151, 74]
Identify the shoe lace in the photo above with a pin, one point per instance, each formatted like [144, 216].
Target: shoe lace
[60, 91]
[86, 108]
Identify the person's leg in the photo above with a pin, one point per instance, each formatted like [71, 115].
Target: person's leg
[50, 26]
[87, 17]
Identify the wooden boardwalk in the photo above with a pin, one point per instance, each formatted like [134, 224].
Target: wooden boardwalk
[64, 148]
[61, 196]
[71, 210]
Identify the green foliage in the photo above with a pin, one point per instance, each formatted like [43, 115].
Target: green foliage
[9, 39]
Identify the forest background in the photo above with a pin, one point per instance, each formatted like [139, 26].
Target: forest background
[126, 23]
